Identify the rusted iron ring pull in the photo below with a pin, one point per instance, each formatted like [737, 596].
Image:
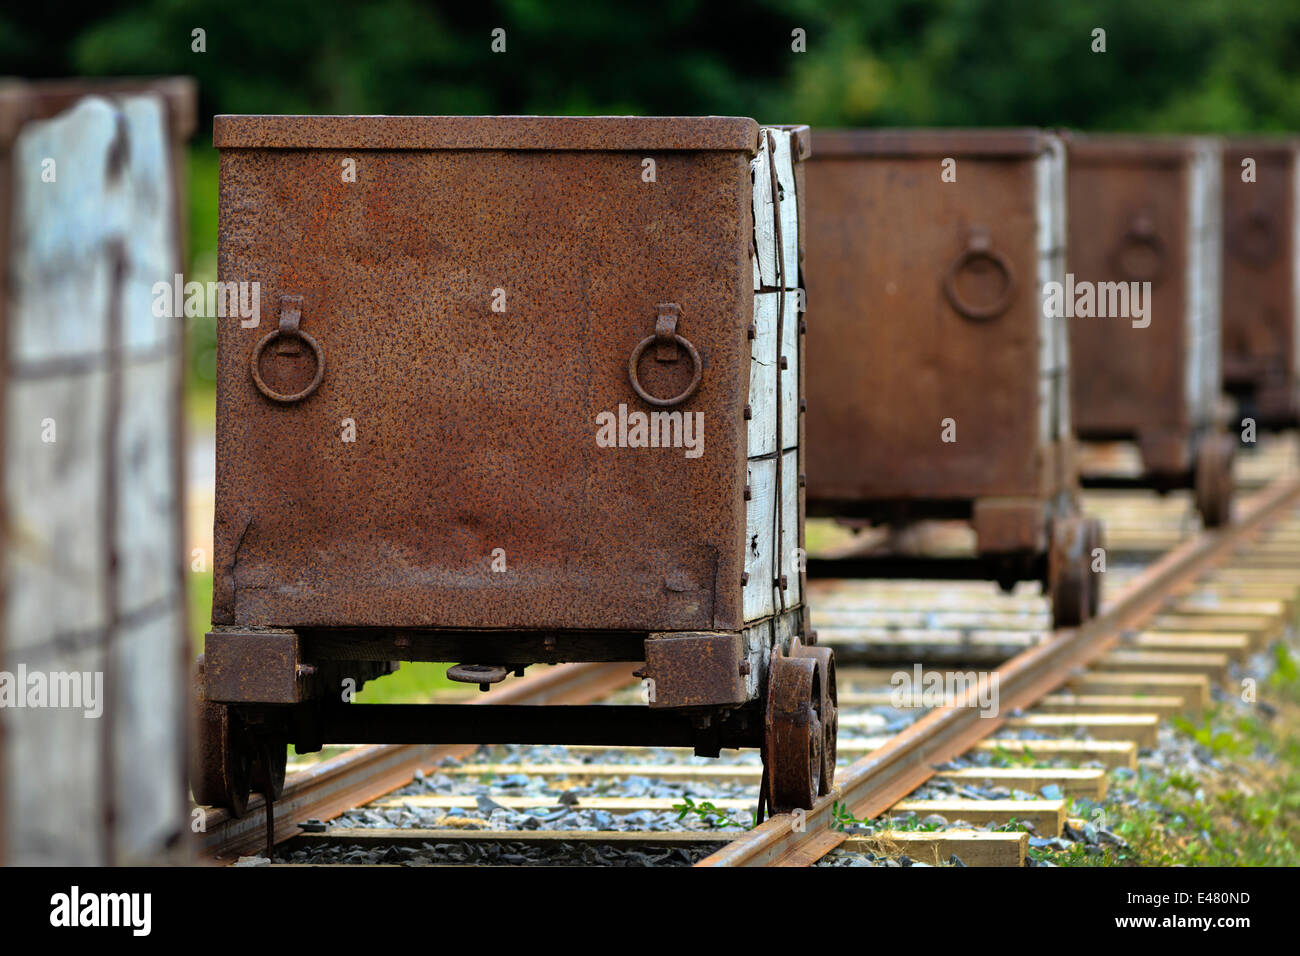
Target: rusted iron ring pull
[1141, 235]
[670, 346]
[290, 334]
[1254, 237]
[978, 249]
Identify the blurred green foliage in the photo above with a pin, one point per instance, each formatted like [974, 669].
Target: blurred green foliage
[1189, 64]
[201, 333]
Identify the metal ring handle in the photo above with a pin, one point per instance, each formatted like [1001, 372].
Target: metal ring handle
[270, 392]
[1141, 235]
[635, 360]
[1254, 238]
[980, 313]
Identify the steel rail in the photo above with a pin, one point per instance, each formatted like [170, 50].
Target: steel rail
[365, 773]
[871, 785]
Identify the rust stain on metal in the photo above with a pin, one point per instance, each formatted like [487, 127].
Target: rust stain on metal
[1259, 280]
[261, 666]
[1128, 222]
[925, 307]
[696, 670]
[475, 427]
[416, 457]
[542, 133]
[928, 143]
[916, 315]
[1145, 220]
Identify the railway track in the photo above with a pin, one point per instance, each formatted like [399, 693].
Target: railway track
[1186, 612]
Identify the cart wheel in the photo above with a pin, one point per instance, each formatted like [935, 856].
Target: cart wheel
[1069, 572]
[1093, 538]
[221, 773]
[1213, 480]
[270, 760]
[792, 737]
[828, 712]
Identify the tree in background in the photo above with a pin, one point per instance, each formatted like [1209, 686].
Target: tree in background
[1200, 65]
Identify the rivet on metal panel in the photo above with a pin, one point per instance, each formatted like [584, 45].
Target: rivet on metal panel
[290, 319]
[802, 143]
[666, 330]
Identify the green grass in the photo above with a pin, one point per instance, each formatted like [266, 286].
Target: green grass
[412, 684]
[201, 266]
[1245, 814]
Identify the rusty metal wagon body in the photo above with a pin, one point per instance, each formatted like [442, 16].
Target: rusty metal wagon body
[939, 388]
[525, 390]
[1261, 280]
[92, 581]
[1145, 226]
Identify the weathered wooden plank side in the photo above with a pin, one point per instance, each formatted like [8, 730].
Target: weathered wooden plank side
[784, 159]
[760, 544]
[765, 244]
[762, 376]
[54, 811]
[775, 522]
[790, 390]
[1204, 239]
[147, 544]
[790, 538]
[147, 740]
[763, 401]
[91, 488]
[760, 170]
[1053, 335]
[55, 506]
